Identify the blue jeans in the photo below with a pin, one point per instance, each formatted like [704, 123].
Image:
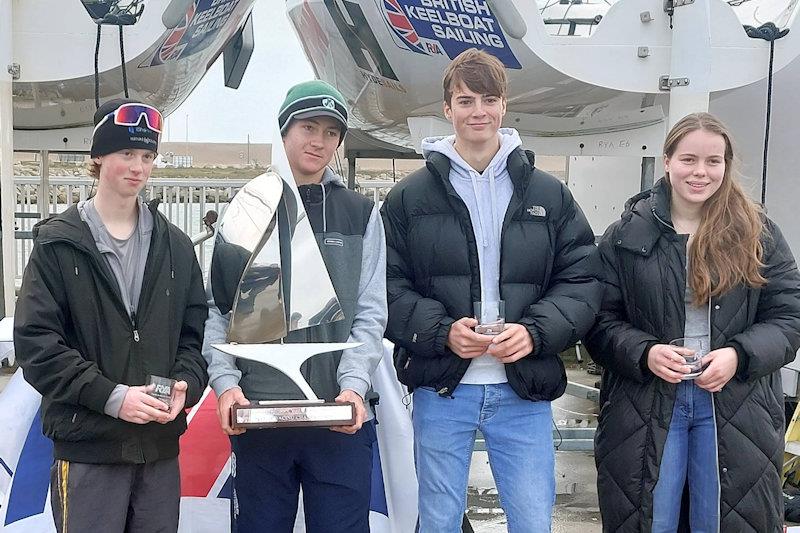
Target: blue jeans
[519, 441]
[691, 448]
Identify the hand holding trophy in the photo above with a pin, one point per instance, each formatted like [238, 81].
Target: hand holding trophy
[266, 228]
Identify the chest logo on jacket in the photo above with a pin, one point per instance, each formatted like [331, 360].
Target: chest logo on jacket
[537, 211]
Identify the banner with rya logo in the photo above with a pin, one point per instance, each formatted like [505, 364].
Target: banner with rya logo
[449, 27]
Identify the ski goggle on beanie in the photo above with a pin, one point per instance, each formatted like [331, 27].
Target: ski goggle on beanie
[131, 115]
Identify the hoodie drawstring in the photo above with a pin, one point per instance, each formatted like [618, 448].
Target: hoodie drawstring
[474, 178]
[493, 194]
[324, 214]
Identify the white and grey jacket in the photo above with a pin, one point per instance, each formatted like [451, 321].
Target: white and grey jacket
[349, 231]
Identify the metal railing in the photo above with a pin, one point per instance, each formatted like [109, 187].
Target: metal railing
[377, 189]
[183, 201]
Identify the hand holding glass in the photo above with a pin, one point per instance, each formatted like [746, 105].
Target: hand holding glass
[694, 360]
[491, 317]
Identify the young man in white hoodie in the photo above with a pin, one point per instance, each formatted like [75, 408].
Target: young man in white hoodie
[480, 225]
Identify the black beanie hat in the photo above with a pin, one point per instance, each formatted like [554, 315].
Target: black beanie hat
[110, 137]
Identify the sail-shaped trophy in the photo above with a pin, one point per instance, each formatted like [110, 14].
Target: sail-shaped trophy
[268, 272]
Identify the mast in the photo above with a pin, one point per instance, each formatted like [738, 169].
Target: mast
[7, 190]
[690, 59]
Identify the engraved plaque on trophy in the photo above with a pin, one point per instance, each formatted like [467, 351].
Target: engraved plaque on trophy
[266, 414]
[283, 286]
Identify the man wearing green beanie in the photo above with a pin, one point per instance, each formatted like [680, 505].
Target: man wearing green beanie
[333, 466]
[313, 99]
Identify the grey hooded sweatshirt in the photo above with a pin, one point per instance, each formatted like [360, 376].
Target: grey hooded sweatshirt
[486, 195]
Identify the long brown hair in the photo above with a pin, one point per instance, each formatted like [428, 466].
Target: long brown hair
[727, 249]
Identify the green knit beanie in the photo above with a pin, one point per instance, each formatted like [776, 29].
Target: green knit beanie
[313, 99]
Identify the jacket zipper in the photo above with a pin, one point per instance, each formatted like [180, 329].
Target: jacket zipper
[135, 327]
[112, 283]
[449, 191]
[713, 401]
[716, 437]
[667, 224]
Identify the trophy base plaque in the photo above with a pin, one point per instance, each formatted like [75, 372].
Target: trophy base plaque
[286, 414]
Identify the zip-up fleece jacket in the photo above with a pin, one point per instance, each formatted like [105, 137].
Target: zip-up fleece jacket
[548, 275]
[644, 279]
[76, 341]
[348, 230]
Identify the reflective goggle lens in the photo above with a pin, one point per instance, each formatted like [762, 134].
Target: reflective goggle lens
[131, 115]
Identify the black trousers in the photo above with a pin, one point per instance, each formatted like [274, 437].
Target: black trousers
[116, 498]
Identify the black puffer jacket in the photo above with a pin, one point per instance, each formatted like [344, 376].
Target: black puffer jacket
[75, 341]
[643, 304]
[548, 275]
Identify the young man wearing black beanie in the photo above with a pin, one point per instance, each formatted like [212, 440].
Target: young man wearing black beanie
[112, 295]
[334, 468]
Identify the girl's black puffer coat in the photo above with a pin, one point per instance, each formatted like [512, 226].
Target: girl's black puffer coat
[644, 280]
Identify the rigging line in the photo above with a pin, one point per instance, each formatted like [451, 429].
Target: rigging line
[97, 68]
[771, 33]
[767, 125]
[122, 59]
[564, 17]
[547, 5]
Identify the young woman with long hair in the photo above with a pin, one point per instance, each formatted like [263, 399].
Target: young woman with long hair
[694, 258]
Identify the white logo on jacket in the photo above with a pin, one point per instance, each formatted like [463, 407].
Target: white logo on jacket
[537, 211]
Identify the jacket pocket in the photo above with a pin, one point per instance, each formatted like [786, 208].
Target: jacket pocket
[74, 423]
[402, 364]
[437, 372]
[538, 378]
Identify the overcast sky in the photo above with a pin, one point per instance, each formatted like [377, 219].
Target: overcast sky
[219, 114]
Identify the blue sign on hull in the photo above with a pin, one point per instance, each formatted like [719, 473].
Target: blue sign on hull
[434, 27]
